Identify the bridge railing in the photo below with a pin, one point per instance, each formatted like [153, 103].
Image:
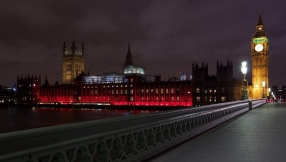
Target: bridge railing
[132, 138]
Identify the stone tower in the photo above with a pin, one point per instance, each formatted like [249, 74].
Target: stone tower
[259, 53]
[73, 62]
[225, 82]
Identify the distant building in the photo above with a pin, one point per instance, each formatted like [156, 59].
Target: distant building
[278, 92]
[7, 95]
[133, 87]
[259, 53]
[28, 89]
[215, 89]
[73, 62]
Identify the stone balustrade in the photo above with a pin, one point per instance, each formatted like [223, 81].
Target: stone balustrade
[131, 138]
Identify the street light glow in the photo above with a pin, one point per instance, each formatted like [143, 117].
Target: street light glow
[263, 83]
[243, 67]
[244, 71]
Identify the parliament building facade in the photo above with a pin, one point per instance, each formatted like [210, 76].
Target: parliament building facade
[133, 87]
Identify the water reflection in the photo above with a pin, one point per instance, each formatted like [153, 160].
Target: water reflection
[15, 119]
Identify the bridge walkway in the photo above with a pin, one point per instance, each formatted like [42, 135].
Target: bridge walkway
[256, 136]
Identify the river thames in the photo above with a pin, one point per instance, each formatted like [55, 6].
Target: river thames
[16, 119]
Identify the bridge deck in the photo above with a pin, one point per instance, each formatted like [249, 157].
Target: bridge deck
[256, 136]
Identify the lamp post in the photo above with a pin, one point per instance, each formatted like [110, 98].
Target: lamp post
[269, 90]
[244, 71]
[263, 85]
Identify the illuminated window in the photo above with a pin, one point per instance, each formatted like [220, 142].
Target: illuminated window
[172, 90]
[146, 90]
[198, 99]
[178, 98]
[131, 98]
[223, 98]
[214, 90]
[162, 90]
[125, 91]
[121, 91]
[156, 90]
[167, 91]
[112, 91]
[206, 91]
[131, 91]
[214, 98]
[116, 91]
[210, 91]
[210, 99]
[197, 90]
[142, 98]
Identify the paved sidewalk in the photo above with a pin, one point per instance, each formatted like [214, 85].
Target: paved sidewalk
[256, 136]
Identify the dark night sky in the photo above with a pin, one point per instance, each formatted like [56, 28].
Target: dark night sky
[166, 36]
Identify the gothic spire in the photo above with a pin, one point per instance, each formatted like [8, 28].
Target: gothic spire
[129, 48]
[260, 32]
[128, 57]
[259, 20]
[73, 43]
[64, 47]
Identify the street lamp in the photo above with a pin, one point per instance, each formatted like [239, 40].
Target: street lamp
[269, 90]
[244, 71]
[263, 85]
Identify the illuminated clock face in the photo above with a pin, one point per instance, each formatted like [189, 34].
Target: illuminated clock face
[258, 47]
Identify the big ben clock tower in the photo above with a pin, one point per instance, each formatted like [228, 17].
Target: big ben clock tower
[259, 53]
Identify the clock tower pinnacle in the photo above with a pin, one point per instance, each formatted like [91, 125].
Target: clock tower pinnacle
[259, 53]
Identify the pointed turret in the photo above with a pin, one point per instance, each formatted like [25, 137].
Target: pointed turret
[73, 47]
[128, 57]
[82, 48]
[259, 20]
[260, 32]
[64, 47]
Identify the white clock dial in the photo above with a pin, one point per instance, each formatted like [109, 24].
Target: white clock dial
[258, 47]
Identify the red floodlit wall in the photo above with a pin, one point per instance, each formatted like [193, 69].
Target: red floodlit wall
[165, 93]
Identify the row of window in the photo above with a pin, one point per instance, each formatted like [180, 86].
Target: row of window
[210, 90]
[211, 99]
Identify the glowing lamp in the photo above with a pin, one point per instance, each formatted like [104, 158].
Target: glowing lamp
[263, 85]
[244, 71]
[243, 68]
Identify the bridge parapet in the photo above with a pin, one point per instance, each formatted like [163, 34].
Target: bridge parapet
[132, 138]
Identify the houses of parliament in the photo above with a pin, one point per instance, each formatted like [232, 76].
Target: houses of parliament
[134, 87]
